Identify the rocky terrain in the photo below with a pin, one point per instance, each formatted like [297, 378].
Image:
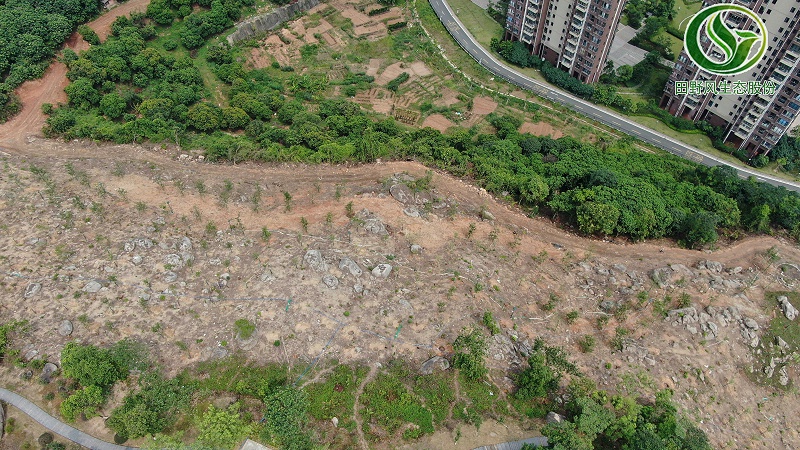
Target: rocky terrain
[375, 262]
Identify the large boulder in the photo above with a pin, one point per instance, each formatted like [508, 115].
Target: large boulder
[382, 271]
[554, 417]
[435, 364]
[313, 259]
[351, 266]
[402, 193]
[32, 289]
[65, 328]
[92, 287]
[788, 309]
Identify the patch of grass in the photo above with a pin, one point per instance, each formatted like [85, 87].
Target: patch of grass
[234, 374]
[335, 396]
[244, 328]
[683, 11]
[437, 392]
[390, 404]
[476, 20]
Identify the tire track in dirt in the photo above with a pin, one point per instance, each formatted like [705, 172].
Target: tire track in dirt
[50, 88]
[463, 192]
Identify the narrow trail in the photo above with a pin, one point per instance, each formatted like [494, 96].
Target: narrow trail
[356, 414]
[55, 425]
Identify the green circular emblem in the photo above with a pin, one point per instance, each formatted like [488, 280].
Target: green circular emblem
[736, 45]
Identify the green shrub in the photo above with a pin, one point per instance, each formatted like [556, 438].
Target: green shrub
[244, 328]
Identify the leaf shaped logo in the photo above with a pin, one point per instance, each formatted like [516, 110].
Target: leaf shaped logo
[736, 45]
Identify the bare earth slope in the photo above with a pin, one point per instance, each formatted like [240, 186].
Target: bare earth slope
[129, 241]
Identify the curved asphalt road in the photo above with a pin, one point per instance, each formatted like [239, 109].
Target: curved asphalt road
[55, 425]
[602, 115]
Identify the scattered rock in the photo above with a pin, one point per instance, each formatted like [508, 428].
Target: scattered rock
[267, 277]
[486, 215]
[313, 259]
[788, 309]
[435, 364]
[65, 328]
[32, 289]
[351, 266]
[553, 417]
[330, 281]
[30, 354]
[608, 305]
[750, 323]
[223, 280]
[781, 343]
[92, 287]
[129, 246]
[712, 266]
[382, 271]
[335, 422]
[173, 260]
[358, 288]
[48, 371]
[411, 211]
[170, 276]
[416, 249]
[219, 352]
[136, 260]
[375, 226]
[185, 245]
[524, 348]
[783, 376]
[667, 276]
[144, 243]
[402, 193]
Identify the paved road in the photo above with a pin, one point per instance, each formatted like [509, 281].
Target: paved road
[539, 441]
[55, 425]
[595, 112]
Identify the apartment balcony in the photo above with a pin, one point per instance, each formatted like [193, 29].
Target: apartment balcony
[582, 6]
[746, 126]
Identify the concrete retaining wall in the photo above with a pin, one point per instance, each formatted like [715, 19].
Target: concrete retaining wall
[267, 22]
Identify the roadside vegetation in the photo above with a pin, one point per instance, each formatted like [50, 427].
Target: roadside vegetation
[272, 405]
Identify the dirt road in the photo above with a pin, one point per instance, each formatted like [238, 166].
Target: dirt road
[50, 88]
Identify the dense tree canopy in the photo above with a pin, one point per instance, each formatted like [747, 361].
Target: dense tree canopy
[30, 31]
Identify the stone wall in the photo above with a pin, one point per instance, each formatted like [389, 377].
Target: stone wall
[266, 22]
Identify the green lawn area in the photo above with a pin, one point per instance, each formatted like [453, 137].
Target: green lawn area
[477, 21]
[683, 11]
[674, 43]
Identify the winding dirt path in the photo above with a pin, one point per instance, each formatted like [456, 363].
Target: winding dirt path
[356, 414]
[50, 88]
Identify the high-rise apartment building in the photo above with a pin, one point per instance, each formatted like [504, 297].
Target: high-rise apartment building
[573, 35]
[753, 119]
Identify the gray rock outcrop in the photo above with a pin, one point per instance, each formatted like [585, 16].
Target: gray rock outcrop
[32, 289]
[435, 364]
[65, 328]
[330, 281]
[313, 259]
[261, 24]
[351, 266]
[382, 271]
[92, 287]
[788, 309]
